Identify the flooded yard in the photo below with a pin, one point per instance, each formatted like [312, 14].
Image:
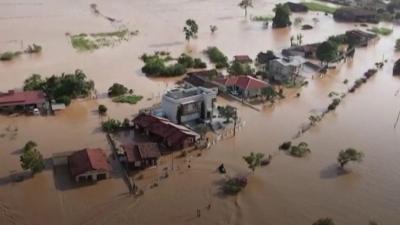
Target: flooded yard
[290, 191]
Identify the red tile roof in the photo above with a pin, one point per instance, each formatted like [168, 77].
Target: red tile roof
[12, 98]
[244, 82]
[87, 160]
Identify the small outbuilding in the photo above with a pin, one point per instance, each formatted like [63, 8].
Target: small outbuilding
[89, 164]
[141, 155]
[14, 100]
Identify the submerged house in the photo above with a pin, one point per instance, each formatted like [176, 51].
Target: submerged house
[22, 101]
[89, 165]
[243, 86]
[285, 70]
[296, 7]
[166, 133]
[307, 51]
[141, 155]
[359, 37]
[355, 15]
[183, 105]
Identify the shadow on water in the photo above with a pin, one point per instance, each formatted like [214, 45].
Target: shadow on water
[332, 171]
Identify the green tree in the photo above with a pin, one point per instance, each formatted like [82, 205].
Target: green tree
[111, 125]
[300, 150]
[324, 221]
[281, 18]
[244, 4]
[269, 92]
[190, 29]
[117, 90]
[238, 68]
[229, 112]
[31, 159]
[348, 155]
[102, 109]
[327, 52]
[34, 83]
[254, 160]
[217, 57]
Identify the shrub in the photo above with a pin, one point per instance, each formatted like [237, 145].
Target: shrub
[234, 185]
[186, 60]
[198, 64]
[64, 99]
[335, 102]
[31, 158]
[324, 221]
[348, 155]
[285, 145]
[111, 125]
[300, 150]
[238, 68]
[102, 109]
[117, 89]
[7, 56]
[174, 70]
[131, 99]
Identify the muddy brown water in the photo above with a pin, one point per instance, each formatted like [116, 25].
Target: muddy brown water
[290, 191]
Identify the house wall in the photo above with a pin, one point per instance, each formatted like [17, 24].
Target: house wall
[93, 174]
[282, 72]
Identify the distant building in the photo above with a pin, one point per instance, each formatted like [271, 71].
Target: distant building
[141, 155]
[306, 51]
[242, 59]
[296, 7]
[354, 14]
[164, 132]
[359, 37]
[22, 101]
[89, 165]
[243, 86]
[184, 105]
[285, 70]
[202, 78]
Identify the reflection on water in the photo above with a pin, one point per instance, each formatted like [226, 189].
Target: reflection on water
[289, 191]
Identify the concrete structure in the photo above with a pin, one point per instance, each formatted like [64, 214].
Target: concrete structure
[89, 165]
[22, 101]
[285, 70]
[184, 105]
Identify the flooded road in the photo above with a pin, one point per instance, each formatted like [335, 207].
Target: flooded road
[290, 191]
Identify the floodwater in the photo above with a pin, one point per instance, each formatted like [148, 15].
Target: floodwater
[290, 191]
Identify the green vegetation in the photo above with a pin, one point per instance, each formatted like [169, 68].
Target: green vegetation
[234, 185]
[34, 48]
[190, 62]
[262, 18]
[244, 4]
[31, 158]
[229, 112]
[238, 68]
[300, 150]
[320, 7]
[190, 29]
[269, 93]
[335, 102]
[7, 56]
[327, 52]
[254, 160]
[89, 42]
[102, 109]
[131, 99]
[349, 155]
[61, 88]
[116, 90]
[155, 65]
[281, 18]
[324, 221]
[381, 30]
[111, 125]
[217, 57]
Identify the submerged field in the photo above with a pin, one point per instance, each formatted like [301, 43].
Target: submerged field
[290, 191]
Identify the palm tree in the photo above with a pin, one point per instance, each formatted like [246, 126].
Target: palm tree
[244, 4]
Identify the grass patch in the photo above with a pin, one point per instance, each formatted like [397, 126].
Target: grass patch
[381, 30]
[93, 41]
[262, 18]
[131, 99]
[320, 7]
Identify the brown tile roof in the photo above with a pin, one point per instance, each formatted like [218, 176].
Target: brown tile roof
[12, 98]
[141, 151]
[87, 160]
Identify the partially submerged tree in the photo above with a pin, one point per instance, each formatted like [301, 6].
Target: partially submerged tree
[31, 159]
[349, 155]
[190, 29]
[324, 221]
[327, 52]
[254, 160]
[102, 109]
[244, 4]
[111, 125]
[228, 112]
[117, 89]
[213, 28]
[238, 68]
[299, 150]
[281, 18]
[269, 93]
